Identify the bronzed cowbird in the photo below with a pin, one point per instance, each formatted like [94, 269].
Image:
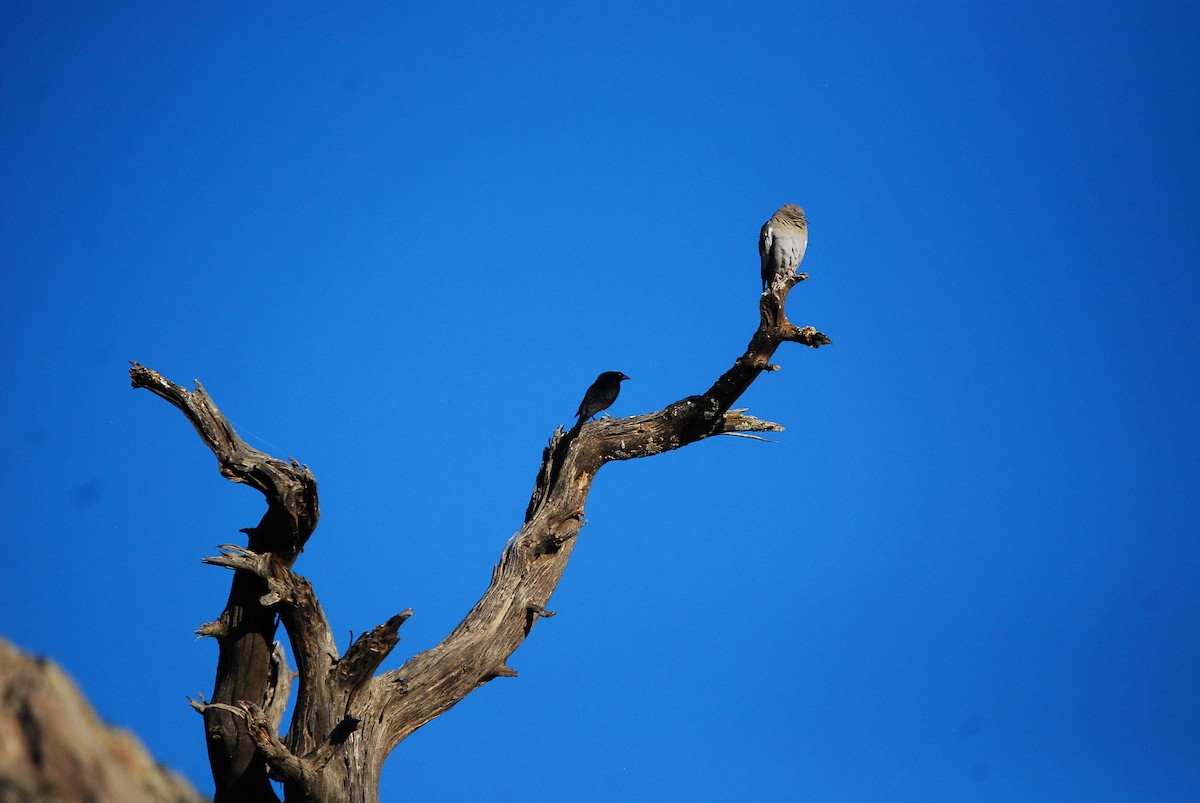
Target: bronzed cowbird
[600, 395]
[781, 244]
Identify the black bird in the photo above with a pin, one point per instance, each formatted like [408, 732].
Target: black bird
[600, 395]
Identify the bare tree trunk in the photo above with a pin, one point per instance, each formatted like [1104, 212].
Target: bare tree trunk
[347, 719]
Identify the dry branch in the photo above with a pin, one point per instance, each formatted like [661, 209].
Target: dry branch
[535, 558]
[345, 711]
[245, 630]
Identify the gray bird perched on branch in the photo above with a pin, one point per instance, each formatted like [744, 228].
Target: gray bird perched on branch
[781, 244]
[600, 395]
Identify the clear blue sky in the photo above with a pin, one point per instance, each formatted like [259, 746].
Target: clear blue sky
[397, 243]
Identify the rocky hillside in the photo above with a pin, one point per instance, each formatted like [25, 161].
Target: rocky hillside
[54, 749]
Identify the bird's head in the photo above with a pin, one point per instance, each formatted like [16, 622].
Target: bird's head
[793, 214]
[613, 376]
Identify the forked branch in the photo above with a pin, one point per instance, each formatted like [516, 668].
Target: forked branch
[534, 559]
[343, 710]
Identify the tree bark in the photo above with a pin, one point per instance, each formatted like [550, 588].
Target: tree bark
[347, 719]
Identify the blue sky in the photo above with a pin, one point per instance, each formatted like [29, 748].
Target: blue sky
[398, 242]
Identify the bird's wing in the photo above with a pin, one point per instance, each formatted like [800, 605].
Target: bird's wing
[801, 245]
[765, 238]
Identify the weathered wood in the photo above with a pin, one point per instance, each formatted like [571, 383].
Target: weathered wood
[245, 631]
[347, 719]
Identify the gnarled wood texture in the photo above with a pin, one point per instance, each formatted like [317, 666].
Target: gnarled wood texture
[347, 719]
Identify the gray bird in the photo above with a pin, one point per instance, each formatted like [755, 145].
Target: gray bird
[781, 244]
[600, 395]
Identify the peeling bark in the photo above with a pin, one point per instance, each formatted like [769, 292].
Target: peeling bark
[347, 719]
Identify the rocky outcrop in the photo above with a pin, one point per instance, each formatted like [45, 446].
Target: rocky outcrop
[55, 749]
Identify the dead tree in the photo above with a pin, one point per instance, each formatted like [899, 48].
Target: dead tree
[347, 718]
